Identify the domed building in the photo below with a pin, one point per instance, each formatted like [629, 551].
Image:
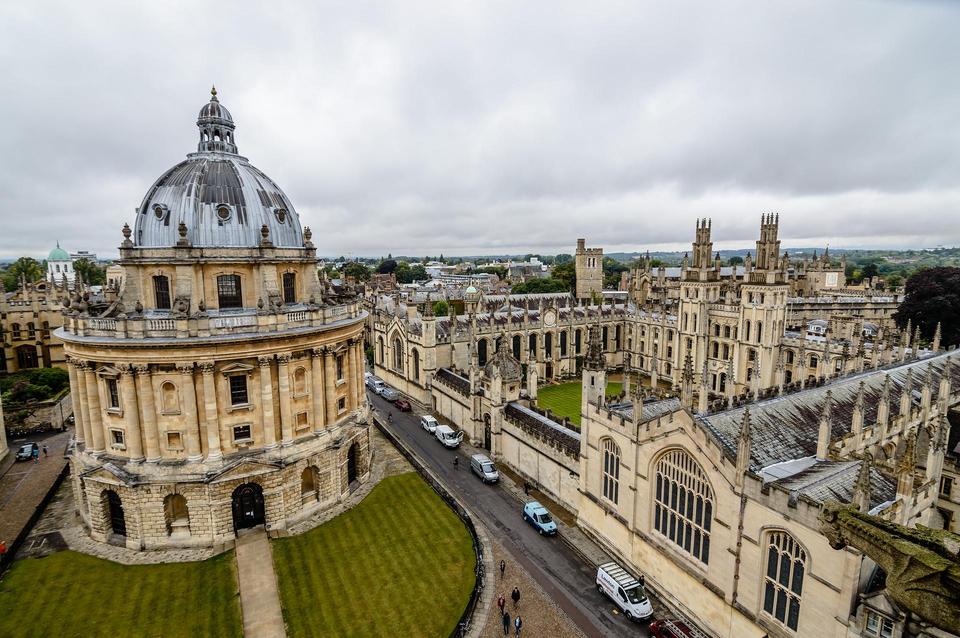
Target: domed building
[60, 266]
[223, 388]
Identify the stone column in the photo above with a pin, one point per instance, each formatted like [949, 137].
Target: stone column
[148, 413]
[131, 414]
[330, 381]
[189, 394]
[93, 407]
[318, 398]
[80, 420]
[352, 402]
[358, 389]
[210, 413]
[283, 384]
[266, 399]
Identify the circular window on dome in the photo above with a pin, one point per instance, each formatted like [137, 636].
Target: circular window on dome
[223, 213]
[159, 211]
[281, 214]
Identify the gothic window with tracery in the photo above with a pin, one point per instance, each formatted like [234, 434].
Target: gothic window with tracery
[683, 508]
[783, 582]
[611, 470]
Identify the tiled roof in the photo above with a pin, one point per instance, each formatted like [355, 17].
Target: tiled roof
[835, 480]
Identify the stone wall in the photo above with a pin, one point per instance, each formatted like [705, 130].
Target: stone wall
[549, 468]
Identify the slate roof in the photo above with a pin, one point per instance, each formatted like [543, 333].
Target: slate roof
[785, 428]
[650, 411]
[835, 480]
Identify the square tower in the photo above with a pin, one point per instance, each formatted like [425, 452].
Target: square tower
[589, 268]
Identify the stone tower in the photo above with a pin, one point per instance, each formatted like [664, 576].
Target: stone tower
[594, 377]
[589, 268]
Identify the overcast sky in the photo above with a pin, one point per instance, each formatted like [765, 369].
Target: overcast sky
[489, 127]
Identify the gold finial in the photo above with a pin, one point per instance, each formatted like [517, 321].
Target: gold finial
[213, 92]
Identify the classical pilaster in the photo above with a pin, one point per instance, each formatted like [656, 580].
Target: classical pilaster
[330, 383]
[283, 384]
[79, 401]
[352, 373]
[318, 398]
[211, 414]
[131, 413]
[192, 422]
[266, 397]
[93, 407]
[148, 412]
[359, 393]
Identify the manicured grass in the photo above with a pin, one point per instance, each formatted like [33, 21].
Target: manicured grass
[73, 594]
[564, 399]
[398, 564]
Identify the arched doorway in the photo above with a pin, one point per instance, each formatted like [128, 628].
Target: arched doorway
[247, 506]
[487, 433]
[118, 522]
[352, 464]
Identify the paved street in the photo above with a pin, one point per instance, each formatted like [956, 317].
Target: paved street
[563, 575]
[24, 484]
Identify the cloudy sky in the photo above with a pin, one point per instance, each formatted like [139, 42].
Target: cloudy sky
[465, 128]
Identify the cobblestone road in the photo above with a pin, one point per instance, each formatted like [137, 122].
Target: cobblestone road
[24, 484]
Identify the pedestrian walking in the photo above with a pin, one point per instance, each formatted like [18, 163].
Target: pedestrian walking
[506, 623]
[44, 450]
[3, 549]
[501, 603]
[526, 488]
[518, 623]
[503, 567]
[515, 596]
[36, 455]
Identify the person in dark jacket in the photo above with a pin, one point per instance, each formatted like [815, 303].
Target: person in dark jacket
[503, 567]
[506, 623]
[516, 597]
[518, 623]
[501, 603]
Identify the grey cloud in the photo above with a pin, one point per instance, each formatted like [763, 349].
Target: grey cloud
[466, 128]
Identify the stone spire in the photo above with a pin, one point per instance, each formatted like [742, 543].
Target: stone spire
[744, 446]
[856, 425]
[915, 342]
[906, 396]
[936, 339]
[686, 383]
[594, 359]
[862, 490]
[883, 407]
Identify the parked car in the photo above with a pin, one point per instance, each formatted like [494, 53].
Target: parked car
[376, 384]
[389, 394]
[482, 466]
[538, 516]
[446, 435]
[674, 629]
[403, 405]
[428, 423]
[25, 453]
[624, 590]
[366, 375]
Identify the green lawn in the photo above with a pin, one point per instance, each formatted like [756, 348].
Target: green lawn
[400, 563]
[73, 594]
[564, 399]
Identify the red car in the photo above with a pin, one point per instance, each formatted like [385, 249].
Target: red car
[402, 404]
[673, 629]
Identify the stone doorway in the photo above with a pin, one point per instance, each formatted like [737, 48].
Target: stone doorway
[247, 506]
[487, 433]
[118, 522]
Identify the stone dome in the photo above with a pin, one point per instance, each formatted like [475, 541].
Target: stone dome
[223, 199]
[58, 254]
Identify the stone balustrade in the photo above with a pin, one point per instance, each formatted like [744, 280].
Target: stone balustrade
[207, 325]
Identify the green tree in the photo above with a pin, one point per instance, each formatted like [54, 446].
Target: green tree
[567, 274]
[539, 286]
[562, 258]
[418, 273]
[24, 267]
[499, 271]
[932, 296]
[356, 270]
[440, 308]
[735, 260]
[611, 272]
[402, 273]
[869, 270]
[387, 266]
[92, 273]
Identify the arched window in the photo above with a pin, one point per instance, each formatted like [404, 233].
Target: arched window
[611, 470]
[533, 345]
[161, 292]
[759, 331]
[789, 356]
[289, 287]
[577, 341]
[563, 343]
[814, 361]
[783, 582]
[300, 381]
[683, 509]
[176, 514]
[380, 350]
[716, 350]
[746, 331]
[716, 330]
[606, 336]
[169, 399]
[516, 347]
[482, 352]
[397, 354]
[15, 329]
[548, 345]
[416, 365]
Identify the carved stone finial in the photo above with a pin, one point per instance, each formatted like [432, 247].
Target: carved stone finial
[182, 230]
[126, 231]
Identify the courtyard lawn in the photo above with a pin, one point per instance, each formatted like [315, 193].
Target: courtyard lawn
[73, 594]
[564, 399]
[400, 563]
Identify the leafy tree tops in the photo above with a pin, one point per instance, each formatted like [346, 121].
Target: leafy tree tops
[932, 296]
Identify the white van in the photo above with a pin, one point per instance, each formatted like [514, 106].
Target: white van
[627, 592]
[428, 423]
[482, 466]
[376, 384]
[448, 437]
